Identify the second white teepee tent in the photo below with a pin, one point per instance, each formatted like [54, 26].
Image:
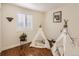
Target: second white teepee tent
[40, 40]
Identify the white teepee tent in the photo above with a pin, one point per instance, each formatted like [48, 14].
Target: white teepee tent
[40, 40]
[62, 42]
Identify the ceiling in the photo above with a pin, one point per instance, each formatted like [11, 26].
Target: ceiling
[43, 7]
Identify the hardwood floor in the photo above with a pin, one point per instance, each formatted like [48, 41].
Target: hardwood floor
[25, 50]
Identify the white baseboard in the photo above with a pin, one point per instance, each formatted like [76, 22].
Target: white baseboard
[8, 47]
[12, 46]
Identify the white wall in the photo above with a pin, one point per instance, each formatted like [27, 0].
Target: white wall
[0, 27]
[10, 30]
[0, 5]
[52, 30]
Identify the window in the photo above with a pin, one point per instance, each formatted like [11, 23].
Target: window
[24, 21]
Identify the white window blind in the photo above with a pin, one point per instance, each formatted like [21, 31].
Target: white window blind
[24, 21]
[29, 21]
